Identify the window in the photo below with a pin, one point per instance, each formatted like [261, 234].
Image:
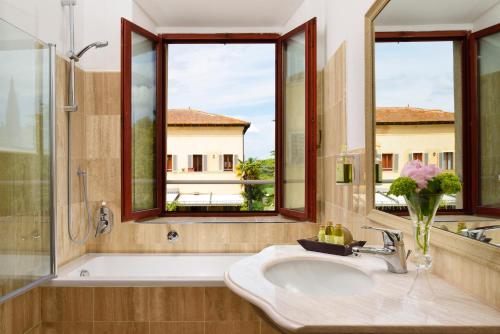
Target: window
[169, 162]
[485, 75]
[272, 132]
[447, 161]
[387, 161]
[417, 156]
[418, 118]
[228, 162]
[197, 165]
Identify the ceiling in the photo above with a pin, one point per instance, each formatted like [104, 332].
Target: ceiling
[429, 12]
[219, 13]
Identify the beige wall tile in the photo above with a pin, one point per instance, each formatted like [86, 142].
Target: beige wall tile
[121, 328]
[177, 328]
[221, 304]
[67, 304]
[21, 313]
[121, 304]
[67, 328]
[176, 304]
[233, 327]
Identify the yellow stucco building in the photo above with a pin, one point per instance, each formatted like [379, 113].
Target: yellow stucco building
[405, 134]
[204, 147]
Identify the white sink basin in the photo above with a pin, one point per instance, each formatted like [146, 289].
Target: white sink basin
[318, 278]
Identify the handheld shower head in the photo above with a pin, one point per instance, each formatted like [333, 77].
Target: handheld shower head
[97, 45]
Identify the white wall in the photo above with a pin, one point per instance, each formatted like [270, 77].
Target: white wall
[345, 22]
[45, 20]
[488, 19]
[94, 20]
[102, 23]
[308, 10]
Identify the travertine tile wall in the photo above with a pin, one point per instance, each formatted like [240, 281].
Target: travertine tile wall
[103, 126]
[21, 315]
[67, 250]
[143, 310]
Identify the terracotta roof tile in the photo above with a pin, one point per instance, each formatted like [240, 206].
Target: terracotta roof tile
[187, 117]
[410, 115]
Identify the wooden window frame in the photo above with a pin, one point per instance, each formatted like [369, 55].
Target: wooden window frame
[309, 213]
[475, 152]
[225, 38]
[230, 160]
[388, 169]
[447, 35]
[127, 28]
[170, 162]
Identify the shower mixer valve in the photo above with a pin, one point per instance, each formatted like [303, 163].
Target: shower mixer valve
[106, 220]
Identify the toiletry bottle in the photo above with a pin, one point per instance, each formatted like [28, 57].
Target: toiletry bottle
[338, 235]
[329, 233]
[343, 167]
[321, 234]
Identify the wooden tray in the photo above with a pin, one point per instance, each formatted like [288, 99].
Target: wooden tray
[312, 244]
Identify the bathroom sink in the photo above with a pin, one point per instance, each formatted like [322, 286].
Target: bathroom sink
[318, 278]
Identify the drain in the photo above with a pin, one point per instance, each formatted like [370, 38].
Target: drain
[84, 273]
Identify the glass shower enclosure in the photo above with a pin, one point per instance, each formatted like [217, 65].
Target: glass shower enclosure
[27, 161]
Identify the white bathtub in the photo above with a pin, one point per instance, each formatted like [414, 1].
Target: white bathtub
[146, 270]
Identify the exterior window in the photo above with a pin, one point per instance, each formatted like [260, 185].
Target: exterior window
[387, 161]
[169, 162]
[228, 162]
[418, 156]
[447, 162]
[197, 163]
[417, 126]
[272, 166]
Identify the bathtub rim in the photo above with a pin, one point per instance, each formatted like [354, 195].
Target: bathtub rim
[63, 280]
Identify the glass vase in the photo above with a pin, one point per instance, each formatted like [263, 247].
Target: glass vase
[422, 209]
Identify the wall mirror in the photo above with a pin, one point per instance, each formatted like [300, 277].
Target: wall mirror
[434, 96]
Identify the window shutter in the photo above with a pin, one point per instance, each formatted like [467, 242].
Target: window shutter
[221, 162]
[441, 160]
[204, 163]
[190, 161]
[452, 160]
[174, 163]
[235, 161]
[426, 158]
[410, 157]
[395, 162]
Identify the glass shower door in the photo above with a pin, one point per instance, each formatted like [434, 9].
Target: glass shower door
[26, 160]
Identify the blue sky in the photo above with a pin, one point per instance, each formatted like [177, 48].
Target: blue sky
[236, 80]
[419, 74]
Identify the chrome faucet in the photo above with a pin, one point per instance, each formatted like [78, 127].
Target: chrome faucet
[479, 232]
[393, 252]
[106, 220]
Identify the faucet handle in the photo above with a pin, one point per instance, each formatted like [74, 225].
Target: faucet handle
[391, 237]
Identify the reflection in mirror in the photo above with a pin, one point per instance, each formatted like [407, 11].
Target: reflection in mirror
[418, 112]
[426, 98]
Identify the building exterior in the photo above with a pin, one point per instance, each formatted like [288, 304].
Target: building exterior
[204, 147]
[405, 134]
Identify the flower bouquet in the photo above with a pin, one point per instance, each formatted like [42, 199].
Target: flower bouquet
[423, 188]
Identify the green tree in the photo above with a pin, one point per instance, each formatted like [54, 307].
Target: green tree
[257, 197]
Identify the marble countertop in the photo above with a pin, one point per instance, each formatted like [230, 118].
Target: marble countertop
[385, 309]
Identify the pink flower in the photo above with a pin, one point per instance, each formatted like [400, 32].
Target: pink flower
[420, 173]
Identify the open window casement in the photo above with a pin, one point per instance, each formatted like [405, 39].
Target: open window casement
[144, 121]
[297, 122]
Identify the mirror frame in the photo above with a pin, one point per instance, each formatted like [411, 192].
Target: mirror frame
[478, 252]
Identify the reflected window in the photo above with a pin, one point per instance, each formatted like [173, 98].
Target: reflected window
[418, 111]
[387, 161]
